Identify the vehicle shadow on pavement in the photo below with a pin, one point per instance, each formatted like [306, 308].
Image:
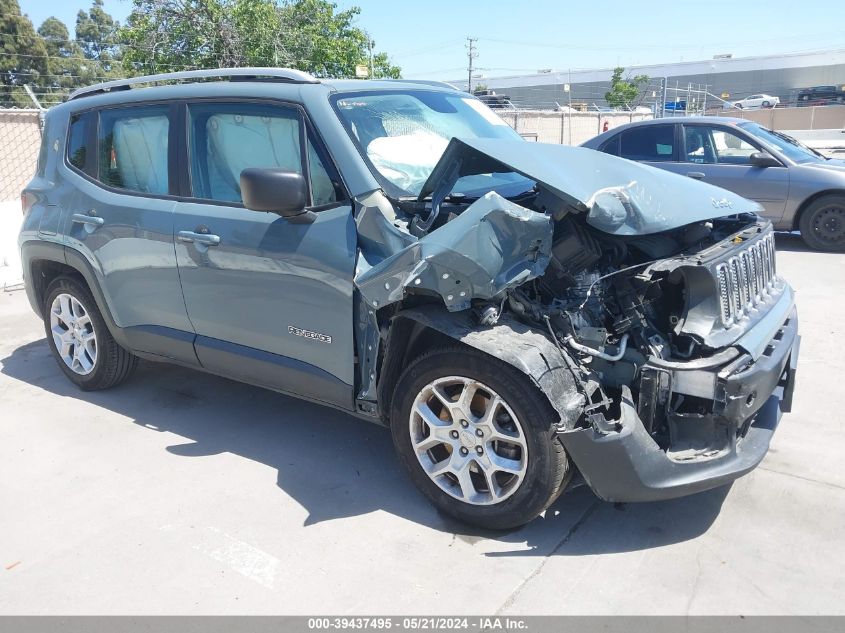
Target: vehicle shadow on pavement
[604, 528]
[336, 466]
[793, 243]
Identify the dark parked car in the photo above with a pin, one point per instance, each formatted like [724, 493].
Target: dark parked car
[798, 188]
[513, 311]
[821, 95]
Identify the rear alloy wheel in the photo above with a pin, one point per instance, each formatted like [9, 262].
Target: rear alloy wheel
[478, 438]
[79, 338]
[822, 224]
[73, 334]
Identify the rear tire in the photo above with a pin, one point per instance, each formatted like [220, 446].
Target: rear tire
[495, 459]
[80, 340]
[822, 224]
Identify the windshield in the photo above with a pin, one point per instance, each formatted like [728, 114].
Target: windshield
[788, 146]
[402, 135]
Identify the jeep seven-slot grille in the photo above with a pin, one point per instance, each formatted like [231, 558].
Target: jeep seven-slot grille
[746, 279]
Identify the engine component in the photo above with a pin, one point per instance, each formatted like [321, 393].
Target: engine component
[574, 250]
[655, 389]
[655, 246]
[623, 344]
[487, 314]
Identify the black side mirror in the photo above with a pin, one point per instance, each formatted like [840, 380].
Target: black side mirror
[276, 191]
[763, 159]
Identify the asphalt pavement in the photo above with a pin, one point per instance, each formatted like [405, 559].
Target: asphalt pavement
[184, 493]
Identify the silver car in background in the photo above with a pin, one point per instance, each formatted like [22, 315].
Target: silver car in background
[799, 188]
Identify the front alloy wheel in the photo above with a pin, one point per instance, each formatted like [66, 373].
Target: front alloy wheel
[468, 440]
[478, 438]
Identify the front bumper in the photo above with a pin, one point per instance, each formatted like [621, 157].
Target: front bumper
[626, 464]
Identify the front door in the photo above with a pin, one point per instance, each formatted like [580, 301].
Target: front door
[270, 299]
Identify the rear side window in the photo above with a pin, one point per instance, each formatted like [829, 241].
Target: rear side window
[653, 143]
[132, 148]
[227, 138]
[77, 141]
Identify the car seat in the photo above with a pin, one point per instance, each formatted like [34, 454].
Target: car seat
[696, 142]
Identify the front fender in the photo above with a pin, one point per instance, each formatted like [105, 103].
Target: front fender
[516, 344]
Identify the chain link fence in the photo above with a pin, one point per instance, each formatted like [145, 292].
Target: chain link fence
[20, 140]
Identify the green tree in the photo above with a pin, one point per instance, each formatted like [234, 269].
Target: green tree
[311, 35]
[23, 58]
[624, 92]
[66, 67]
[96, 32]
[327, 43]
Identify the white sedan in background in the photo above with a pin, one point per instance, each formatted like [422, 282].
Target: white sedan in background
[757, 101]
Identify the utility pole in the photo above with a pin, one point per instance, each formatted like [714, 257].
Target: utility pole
[472, 53]
[370, 50]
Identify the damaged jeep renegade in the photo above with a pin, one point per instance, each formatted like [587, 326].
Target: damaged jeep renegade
[514, 312]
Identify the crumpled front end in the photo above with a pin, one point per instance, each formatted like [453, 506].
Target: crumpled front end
[622, 460]
[665, 340]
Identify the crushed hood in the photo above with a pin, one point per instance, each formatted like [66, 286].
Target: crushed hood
[620, 197]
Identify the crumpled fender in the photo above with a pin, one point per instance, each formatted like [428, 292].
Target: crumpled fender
[516, 344]
[492, 246]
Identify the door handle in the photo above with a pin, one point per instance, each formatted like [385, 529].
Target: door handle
[89, 219]
[206, 239]
[698, 175]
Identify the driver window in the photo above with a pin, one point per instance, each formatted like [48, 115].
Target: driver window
[731, 149]
[698, 144]
[227, 138]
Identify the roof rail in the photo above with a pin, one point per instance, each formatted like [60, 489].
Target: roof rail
[288, 75]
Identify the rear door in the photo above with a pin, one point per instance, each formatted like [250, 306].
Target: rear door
[270, 298]
[119, 217]
[720, 155]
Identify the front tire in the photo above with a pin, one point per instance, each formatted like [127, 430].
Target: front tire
[822, 224]
[80, 340]
[478, 438]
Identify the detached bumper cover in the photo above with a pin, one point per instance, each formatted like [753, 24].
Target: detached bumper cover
[628, 465]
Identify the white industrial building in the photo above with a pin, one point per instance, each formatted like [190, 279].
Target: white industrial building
[725, 77]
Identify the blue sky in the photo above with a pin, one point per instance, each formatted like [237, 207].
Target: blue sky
[427, 39]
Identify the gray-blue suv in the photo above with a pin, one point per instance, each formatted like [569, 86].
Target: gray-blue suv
[513, 311]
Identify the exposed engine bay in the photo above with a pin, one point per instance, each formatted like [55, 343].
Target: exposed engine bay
[653, 310]
[609, 308]
[626, 311]
[644, 305]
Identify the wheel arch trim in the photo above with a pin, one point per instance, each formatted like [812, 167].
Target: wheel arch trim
[510, 341]
[36, 251]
